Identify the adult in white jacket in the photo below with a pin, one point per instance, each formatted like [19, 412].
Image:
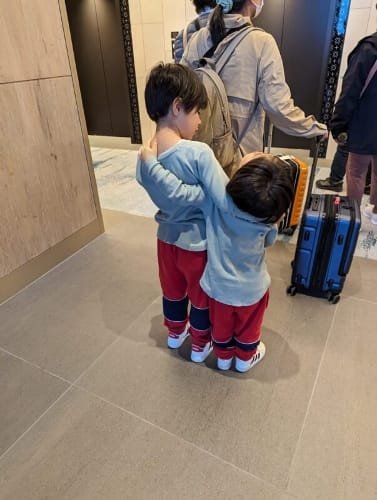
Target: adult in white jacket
[253, 76]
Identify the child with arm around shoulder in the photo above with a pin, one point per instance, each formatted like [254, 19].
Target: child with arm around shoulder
[238, 231]
[174, 95]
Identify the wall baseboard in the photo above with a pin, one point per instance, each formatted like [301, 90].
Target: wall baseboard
[40, 265]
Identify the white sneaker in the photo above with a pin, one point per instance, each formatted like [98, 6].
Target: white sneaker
[200, 354]
[224, 364]
[176, 340]
[244, 366]
[368, 212]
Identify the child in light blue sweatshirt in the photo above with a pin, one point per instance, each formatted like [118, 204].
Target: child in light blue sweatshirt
[173, 96]
[239, 227]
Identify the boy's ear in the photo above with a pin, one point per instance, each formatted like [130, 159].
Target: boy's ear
[176, 106]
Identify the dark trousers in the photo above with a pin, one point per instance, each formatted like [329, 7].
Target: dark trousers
[338, 166]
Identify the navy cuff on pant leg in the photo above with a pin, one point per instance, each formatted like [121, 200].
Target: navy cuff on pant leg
[175, 310]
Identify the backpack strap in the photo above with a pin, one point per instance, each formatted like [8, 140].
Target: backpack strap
[224, 56]
[370, 76]
[212, 50]
[197, 24]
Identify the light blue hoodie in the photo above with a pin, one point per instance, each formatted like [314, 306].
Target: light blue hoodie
[236, 272]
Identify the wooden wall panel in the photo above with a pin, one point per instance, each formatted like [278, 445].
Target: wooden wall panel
[46, 193]
[32, 43]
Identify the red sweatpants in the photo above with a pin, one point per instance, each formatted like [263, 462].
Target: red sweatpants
[236, 330]
[180, 271]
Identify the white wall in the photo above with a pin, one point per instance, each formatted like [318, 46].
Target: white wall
[362, 21]
[152, 21]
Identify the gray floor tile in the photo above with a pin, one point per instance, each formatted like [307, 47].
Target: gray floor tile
[83, 448]
[337, 455]
[251, 420]
[279, 258]
[362, 279]
[25, 393]
[66, 319]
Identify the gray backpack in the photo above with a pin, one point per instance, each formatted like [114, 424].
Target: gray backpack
[216, 128]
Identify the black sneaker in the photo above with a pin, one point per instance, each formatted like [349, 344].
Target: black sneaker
[330, 184]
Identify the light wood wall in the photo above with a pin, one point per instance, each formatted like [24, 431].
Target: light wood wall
[48, 194]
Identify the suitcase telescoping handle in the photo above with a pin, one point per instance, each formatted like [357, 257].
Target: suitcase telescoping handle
[312, 172]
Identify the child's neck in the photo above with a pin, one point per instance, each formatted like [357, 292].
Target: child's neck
[167, 136]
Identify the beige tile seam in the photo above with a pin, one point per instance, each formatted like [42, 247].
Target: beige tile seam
[12, 355]
[116, 341]
[71, 384]
[35, 79]
[33, 424]
[311, 399]
[193, 445]
[360, 299]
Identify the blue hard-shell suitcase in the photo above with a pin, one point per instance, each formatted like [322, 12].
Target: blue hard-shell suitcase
[329, 229]
[326, 243]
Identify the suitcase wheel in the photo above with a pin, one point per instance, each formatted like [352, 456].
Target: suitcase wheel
[333, 298]
[292, 290]
[290, 230]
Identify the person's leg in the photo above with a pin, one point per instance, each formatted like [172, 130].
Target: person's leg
[357, 167]
[174, 291]
[222, 321]
[371, 211]
[191, 265]
[368, 180]
[249, 349]
[337, 172]
[338, 166]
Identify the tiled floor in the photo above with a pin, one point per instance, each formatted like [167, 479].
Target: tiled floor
[94, 406]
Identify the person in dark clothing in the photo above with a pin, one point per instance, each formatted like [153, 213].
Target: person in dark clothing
[354, 122]
[337, 172]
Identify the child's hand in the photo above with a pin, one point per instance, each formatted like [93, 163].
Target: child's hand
[149, 151]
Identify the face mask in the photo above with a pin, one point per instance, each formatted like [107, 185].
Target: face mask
[258, 6]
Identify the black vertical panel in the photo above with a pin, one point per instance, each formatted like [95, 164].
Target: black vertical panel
[98, 47]
[271, 19]
[109, 25]
[87, 49]
[304, 45]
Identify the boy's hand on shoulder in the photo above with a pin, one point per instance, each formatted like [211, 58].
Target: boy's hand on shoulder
[147, 152]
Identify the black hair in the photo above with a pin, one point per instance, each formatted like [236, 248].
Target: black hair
[216, 23]
[166, 82]
[200, 4]
[263, 188]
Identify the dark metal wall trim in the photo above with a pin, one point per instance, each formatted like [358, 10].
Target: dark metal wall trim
[334, 62]
[130, 66]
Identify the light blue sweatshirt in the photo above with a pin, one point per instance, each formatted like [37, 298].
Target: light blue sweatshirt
[236, 272]
[182, 223]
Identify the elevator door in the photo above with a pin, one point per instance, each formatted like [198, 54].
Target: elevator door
[303, 30]
[99, 53]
